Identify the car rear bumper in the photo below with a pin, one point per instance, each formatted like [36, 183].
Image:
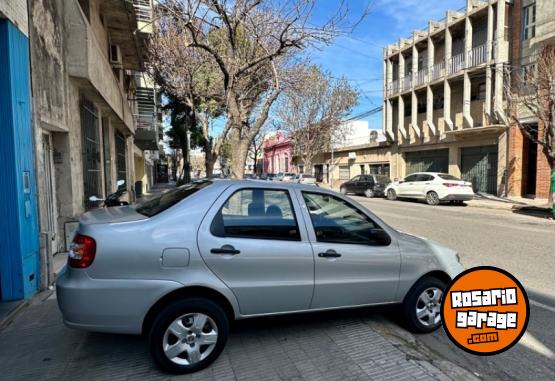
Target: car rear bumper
[107, 305]
[458, 197]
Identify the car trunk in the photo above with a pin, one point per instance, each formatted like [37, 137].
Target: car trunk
[111, 215]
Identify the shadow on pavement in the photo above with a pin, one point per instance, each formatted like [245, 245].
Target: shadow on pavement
[534, 211]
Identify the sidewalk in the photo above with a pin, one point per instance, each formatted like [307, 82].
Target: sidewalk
[332, 346]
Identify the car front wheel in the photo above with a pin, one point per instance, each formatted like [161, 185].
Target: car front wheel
[188, 335]
[422, 305]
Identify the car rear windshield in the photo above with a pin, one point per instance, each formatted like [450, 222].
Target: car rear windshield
[445, 176]
[383, 179]
[166, 200]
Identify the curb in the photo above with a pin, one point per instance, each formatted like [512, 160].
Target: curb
[13, 313]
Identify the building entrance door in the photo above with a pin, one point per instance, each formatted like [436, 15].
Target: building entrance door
[51, 216]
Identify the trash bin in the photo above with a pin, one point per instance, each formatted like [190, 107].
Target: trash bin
[138, 189]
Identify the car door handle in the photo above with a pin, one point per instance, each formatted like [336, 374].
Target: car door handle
[329, 254]
[226, 249]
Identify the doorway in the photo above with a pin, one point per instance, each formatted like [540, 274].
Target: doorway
[50, 214]
[530, 166]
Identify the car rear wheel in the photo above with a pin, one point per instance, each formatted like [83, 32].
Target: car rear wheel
[432, 198]
[391, 195]
[188, 335]
[369, 193]
[422, 305]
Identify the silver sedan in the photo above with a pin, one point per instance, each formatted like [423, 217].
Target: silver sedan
[181, 266]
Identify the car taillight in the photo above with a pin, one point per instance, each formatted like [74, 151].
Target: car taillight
[81, 252]
[450, 185]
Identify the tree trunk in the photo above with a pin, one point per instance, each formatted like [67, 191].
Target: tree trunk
[239, 155]
[209, 162]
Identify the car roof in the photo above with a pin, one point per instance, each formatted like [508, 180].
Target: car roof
[269, 185]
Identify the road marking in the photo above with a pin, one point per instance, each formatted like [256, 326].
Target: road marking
[541, 305]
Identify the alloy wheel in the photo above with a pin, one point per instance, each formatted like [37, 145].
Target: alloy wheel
[190, 338]
[428, 307]
[432, 198]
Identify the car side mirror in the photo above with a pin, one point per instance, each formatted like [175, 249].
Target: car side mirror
[401, 181]
[380, 237]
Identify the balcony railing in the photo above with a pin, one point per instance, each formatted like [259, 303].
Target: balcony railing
[143, 10]
[456, 63]
[421, 77]
[394, 87]
[406, 82]
[438, 71]
[478, 55]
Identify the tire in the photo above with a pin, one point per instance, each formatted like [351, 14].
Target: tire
[414, 305]
[186, 341]
[343, 190]
[432, 198]
[391, 195]
[369, 193]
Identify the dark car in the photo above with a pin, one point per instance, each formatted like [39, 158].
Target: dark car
[368, 185]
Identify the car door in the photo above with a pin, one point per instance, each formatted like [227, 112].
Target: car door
[253, 240]
[407, 186]
[421, 184]
[352, 185]
[357, 261]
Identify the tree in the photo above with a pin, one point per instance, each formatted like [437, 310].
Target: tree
[252, 43]
[312, 111]
[531, 93]
[194, 85]
[256, 148]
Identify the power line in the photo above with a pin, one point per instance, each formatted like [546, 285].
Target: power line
[365, 114]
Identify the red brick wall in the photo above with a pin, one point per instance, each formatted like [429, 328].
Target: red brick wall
[543, 180]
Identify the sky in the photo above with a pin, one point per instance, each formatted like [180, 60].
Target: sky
[359, 57]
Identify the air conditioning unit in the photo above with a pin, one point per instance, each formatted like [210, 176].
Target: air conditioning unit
[115, 56]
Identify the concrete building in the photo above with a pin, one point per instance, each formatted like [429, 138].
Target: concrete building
[19, 228]
[533, 27]
[444, 102]
[148, 132]
[84, 54]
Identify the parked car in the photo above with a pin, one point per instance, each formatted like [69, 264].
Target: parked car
[306, 179]
[431, 186]
[179, 267]
[367, 185]
[289, 177]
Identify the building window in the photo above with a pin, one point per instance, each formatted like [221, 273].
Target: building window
[529, 22]
[344, 172]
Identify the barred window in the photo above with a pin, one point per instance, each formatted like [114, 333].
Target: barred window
[344, 173]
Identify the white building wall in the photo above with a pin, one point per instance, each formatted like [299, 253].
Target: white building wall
[16, 12]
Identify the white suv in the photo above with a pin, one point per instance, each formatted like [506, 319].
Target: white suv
[432, 187]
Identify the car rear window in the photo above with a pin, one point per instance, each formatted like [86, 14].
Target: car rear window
[166, 200]
[445, 176]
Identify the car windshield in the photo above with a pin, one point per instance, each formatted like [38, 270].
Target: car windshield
[166, 200]
[445, 176]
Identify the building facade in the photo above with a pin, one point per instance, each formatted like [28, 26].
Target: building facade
[278, 153]
[444, 101]
[84, 56]
[530, 170]
[19, 229]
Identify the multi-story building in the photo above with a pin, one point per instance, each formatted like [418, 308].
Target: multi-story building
[444, 96]
[148, 123]
[84, 54]
[533, 27]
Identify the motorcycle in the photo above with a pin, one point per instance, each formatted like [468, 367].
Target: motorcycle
[114, 198]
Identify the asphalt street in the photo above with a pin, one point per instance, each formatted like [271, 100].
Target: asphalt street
[522, 245]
